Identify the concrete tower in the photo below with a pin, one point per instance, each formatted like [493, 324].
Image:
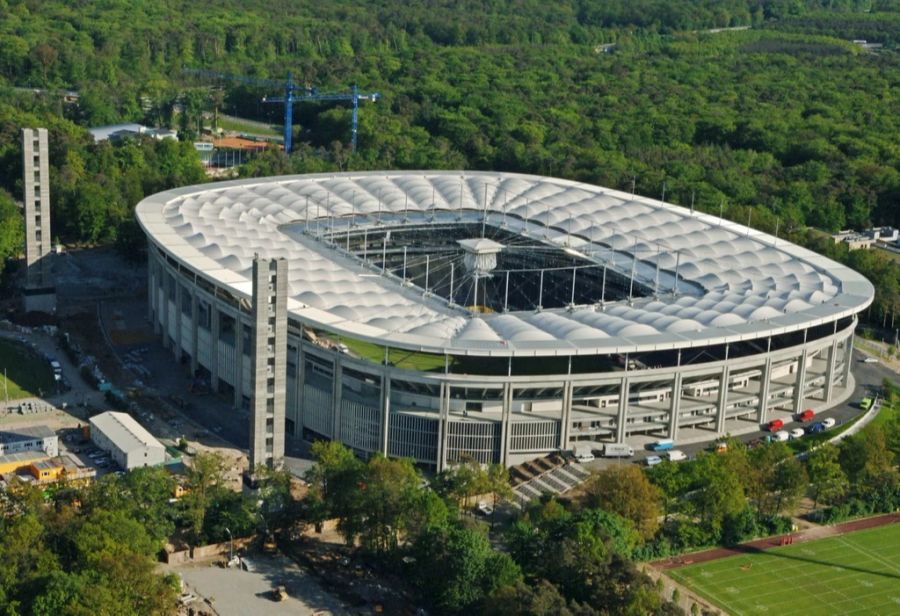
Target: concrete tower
[40, 293]
[269, 356]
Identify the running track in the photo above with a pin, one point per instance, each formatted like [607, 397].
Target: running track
[760, 545]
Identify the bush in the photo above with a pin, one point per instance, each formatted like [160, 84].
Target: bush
[740, 526]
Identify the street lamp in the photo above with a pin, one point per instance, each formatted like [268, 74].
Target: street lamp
[230, 546]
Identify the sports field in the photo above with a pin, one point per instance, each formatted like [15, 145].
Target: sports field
[856, 573]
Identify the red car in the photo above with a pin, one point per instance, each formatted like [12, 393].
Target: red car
[775, 425]
[807, 415]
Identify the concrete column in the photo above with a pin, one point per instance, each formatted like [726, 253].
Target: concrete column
[151, 289]
[800, 384]
[623, 410]
[301, 382]
[238, 380]
[443, 432]
[675, 406]
[268, 367]
[848, 359]
[722, 400]
[762, 410]
[565, 428]
[195, 312]
[830, 363]
[164, 309]
[214, 346]
[337, 398]
[385, 409]
[41, 295]
[506, 427]
[178, 342]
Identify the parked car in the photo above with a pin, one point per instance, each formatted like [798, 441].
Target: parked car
[797, 433]
[870, 360]
[584, 456]
[775, 425]
[806, 415]
[653, 460]
[782, 435]
[829, 422]
[675, 455]
[484, 508]
[815, 428]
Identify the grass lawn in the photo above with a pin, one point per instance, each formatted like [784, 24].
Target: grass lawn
[857, 573]
[25, 370]
[398, 357]
[888, 413]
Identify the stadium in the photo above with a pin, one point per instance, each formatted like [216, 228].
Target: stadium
[497, 316]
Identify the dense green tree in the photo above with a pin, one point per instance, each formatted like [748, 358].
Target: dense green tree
[719, 491]
[829, 482]
[627, 491]
[540, 598]
[455, 568]
[776, 478]
[205, 478]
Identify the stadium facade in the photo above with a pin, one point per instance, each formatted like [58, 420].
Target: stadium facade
[445, 315]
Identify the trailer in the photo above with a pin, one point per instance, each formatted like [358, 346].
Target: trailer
[618, 450]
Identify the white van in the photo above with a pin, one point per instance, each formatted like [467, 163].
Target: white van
[675, 455]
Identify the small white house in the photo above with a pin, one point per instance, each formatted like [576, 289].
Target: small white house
[126, 441]
[33, 438]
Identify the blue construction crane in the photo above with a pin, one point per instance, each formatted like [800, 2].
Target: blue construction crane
[294, 93]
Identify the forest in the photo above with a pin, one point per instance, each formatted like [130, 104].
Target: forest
[789, 118]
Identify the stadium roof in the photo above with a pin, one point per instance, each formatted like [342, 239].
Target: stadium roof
[734, 283]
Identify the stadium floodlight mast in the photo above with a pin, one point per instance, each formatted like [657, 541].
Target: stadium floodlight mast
[572, 298]
[603, 289]
[656, 279]
[677, 263]
[484, 210]
[450, 298]
[378, 216]
[404, 265]
[433, 204]
[506, 294]
[540, 304]
[633, 265]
